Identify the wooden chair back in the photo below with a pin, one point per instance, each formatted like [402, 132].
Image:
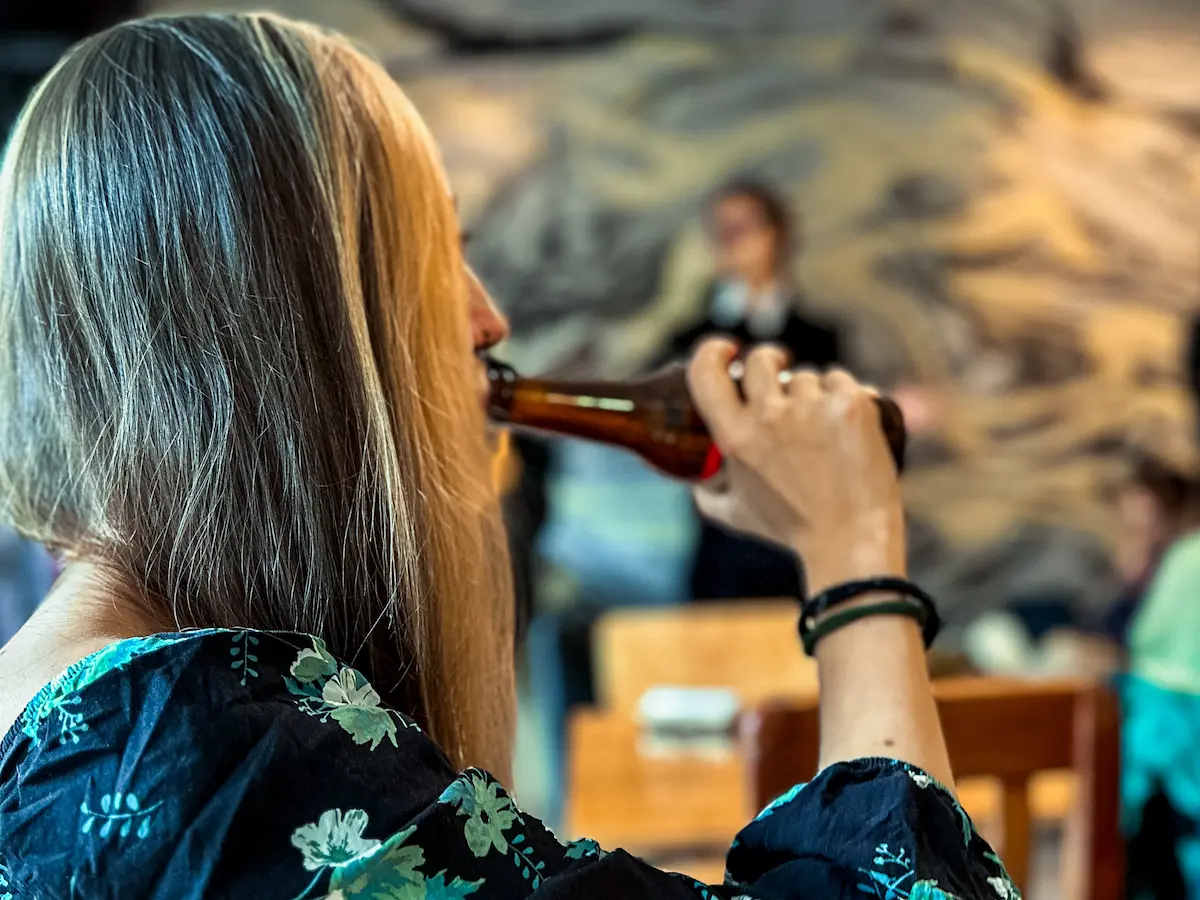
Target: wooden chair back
[747, 646]
[1007, 730]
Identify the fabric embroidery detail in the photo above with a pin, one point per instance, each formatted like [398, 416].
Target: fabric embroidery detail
[488, 810]
[119, 811]
[242, 652]
[327, 691]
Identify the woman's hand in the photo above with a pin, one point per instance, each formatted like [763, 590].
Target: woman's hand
[806, 464]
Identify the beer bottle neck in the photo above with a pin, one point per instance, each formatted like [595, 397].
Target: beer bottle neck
[597, 410]
[652, 417]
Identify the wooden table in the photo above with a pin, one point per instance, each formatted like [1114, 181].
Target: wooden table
[682, 811]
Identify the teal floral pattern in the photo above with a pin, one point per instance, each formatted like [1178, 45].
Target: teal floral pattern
[928, 890]
[891, 874]
[583, 849]
[367, 869]
[59, 696]
[779, 802]
[489, 812]
[924, 780]
[336, 839]
[214, 763]
[893, 869]
[123, 814]
[243, 655]
[1002, 884]
[329, 691]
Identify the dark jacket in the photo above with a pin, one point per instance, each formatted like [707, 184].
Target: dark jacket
[729, 566]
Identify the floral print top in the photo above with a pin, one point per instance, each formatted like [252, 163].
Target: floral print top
[222, 764]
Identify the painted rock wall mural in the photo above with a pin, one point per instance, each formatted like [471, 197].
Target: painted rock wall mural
[1000, 203]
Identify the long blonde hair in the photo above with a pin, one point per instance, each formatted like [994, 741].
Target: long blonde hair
[235, 357]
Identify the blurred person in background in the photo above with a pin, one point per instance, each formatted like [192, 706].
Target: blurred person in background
[1161, 690]
[33, 37]
[239, 372]
[754, 297]
[1157, 624]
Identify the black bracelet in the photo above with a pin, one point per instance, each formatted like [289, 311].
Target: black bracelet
[836, 620]
[815, 607]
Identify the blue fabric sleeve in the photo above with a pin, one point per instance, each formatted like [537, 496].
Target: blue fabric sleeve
[867, 828]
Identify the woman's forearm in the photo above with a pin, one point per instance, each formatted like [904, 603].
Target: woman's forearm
[876, 698]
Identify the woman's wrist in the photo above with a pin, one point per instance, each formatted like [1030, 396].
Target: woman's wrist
[820, 578]
[872, 547]
[868, 634]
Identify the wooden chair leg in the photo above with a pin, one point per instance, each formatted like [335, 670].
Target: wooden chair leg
[1098, 763]
[1017, 828]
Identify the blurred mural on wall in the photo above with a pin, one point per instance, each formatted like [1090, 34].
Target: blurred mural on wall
[1000, 201]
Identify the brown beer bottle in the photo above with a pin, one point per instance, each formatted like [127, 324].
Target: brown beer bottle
[652, 416]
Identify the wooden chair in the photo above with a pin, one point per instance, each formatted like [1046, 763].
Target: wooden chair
[998, 728]
[748, 647]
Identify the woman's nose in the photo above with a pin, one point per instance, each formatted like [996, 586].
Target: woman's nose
[488, 325]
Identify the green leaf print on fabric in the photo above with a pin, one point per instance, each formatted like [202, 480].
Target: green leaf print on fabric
[120, 813]
[327, 691]
[436, 888]
[888, 880]
[57, 696]
[336, 839]
[390, 872]
[928, 890]
[1003, 885]
[782, 800]
[584, 848]
[384, 872]
[489, 812]
[924, 780]
[243, 655]
[314, 665]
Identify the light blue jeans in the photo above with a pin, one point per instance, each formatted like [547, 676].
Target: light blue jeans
[625, 536]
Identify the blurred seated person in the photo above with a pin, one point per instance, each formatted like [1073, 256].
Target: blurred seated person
[1160, 619]
[1154, 505]
[754, 298]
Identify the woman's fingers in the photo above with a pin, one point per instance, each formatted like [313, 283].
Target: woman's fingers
[715, 394]
[761, 383]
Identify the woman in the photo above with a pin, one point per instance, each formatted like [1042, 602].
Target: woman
[239, 397]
